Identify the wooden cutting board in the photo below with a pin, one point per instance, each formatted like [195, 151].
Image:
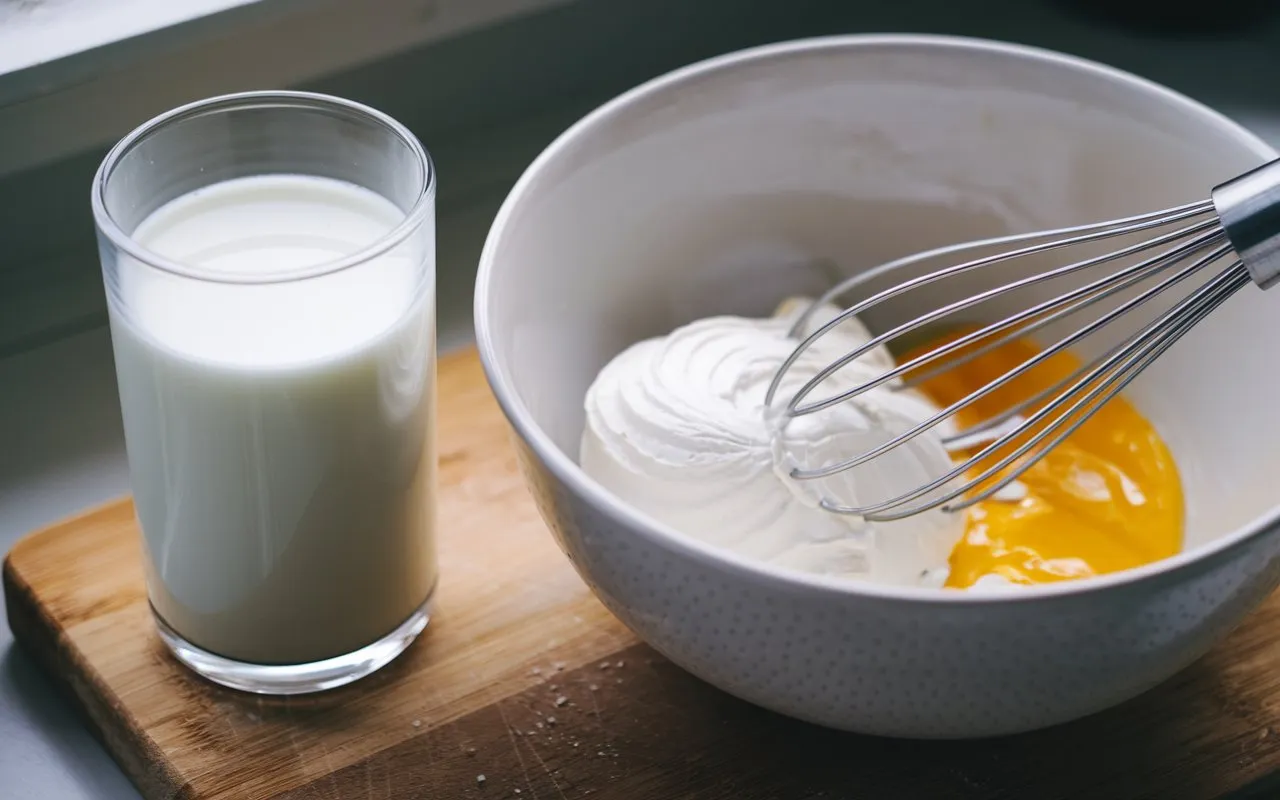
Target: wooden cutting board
[525, 687]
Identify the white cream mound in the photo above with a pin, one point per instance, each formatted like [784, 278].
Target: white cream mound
[676, 427]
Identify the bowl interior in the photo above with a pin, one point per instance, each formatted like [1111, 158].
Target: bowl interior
[726, 187]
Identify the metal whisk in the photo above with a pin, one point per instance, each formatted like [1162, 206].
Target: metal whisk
[1239, 224]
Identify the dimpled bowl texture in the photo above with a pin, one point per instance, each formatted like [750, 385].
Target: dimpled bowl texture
[728, 185]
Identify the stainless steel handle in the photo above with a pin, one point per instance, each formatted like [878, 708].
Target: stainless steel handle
[1249, 208]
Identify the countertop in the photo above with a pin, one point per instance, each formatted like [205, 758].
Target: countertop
[63, 447]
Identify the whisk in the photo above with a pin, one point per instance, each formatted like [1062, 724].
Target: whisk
[1239, 224]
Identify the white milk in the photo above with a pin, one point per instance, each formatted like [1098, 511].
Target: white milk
[280, 436]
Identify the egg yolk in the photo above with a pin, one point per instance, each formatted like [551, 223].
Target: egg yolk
[1107, 498]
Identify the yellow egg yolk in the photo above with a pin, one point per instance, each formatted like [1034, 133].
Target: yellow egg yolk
[1107, 498]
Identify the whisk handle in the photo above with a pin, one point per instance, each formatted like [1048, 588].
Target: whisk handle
[1249, 208]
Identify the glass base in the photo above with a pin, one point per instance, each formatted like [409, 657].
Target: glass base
[291, 679]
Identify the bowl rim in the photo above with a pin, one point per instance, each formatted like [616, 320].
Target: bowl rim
[567, 471]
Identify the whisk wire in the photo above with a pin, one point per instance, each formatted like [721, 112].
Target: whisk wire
[1075, 300]
[1115, 227]
[1131, 351]
[1239, 224]
[793, 406]
[1227, 284]
[1001, 418]
[1013, 374]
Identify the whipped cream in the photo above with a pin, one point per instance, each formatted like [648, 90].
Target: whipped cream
[676, 426]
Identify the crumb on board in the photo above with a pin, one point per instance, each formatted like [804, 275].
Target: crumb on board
[480, 779]
[417, 723]
[561, 700]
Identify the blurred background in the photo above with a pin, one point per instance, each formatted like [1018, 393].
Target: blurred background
[486, 84]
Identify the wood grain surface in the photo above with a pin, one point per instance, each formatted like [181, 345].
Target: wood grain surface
[523, 686]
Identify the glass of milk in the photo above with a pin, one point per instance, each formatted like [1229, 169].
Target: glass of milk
[269, 264]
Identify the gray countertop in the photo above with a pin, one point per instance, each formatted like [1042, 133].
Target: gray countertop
[63, 448]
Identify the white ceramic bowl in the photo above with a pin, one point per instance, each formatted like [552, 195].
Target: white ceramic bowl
[714, 189]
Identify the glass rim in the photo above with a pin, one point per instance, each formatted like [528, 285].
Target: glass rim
[108, 226]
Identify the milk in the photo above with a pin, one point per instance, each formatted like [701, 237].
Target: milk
[280, 435]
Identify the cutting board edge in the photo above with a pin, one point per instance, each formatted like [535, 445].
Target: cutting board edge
[42, 639]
